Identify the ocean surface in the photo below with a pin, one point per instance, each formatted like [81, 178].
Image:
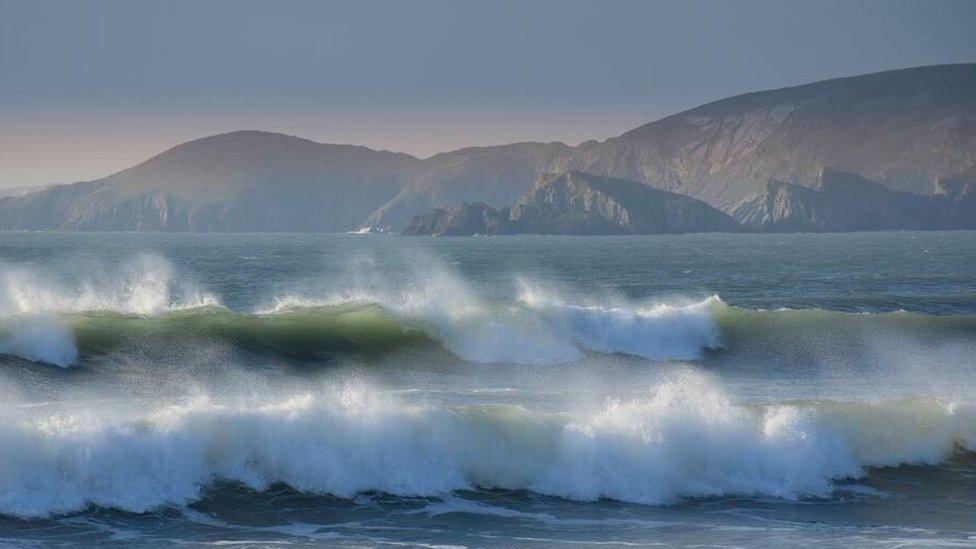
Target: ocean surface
[374, 390]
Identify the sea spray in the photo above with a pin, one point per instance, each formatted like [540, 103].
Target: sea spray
[144, 284]
[658, 331]
[535, 327]
[39, 338]
[142, 301]
[34, 311]
[685, 438]
[445, 307]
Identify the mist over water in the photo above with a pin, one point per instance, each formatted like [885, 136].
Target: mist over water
[502, 391]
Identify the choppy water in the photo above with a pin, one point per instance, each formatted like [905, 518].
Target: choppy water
[743, 390]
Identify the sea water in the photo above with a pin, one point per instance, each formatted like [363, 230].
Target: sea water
[361, 390]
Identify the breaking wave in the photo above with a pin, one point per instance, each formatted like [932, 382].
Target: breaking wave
[32, 309]
[39, 338]
[530, 332]
[144, 302]
[145, 285]
[685, 439]
[657, 332]
[523, 334]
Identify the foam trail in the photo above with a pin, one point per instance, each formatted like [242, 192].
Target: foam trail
[686, 438]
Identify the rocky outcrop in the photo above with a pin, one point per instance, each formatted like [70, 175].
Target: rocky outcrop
[841, 201]
[577, 203]
[581, 203]
[461, 220]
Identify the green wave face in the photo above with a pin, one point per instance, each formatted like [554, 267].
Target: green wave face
[746, 326]
[309, 333]
[527, 333]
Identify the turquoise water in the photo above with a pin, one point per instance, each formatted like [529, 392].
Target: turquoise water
[747, 390]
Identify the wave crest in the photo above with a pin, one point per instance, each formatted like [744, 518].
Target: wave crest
[31, 308]
[146, 284]
[657, 332]
[686, 438]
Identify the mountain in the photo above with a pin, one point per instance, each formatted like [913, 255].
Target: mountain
[841, 201]
[19, 191]
[582, 204]
[910, 131]
[241, 181]
[905, 129]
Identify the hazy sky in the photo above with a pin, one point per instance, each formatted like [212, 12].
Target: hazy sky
[88, 88]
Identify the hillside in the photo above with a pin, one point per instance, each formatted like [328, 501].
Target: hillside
[241, 181]
[845, 202]
[909, 131]
[905, 129]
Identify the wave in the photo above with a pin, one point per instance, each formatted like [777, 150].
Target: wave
[538, 328]
[143, 302]
[744, 324]
[657, 332]
[685, 439]
[145, 284]
[33, 308]
[533, 331]
[295, 333]
[38, 338]
[515, 334]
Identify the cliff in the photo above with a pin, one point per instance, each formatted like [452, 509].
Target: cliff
[841, 201]
[582, 204]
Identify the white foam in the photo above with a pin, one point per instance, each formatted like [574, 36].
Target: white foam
[535, 328]
[657, 332]
[32, 305]
[448, 310]
[686, 438]
[146, 284]
[39, 338]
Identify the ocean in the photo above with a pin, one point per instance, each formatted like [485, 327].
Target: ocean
[525, 391]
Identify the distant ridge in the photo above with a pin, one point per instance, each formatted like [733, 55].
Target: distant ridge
[906, 129]
[239, 181]
[910, 130]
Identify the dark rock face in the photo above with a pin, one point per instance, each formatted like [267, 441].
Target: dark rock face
[461, 220]
[581, 204]
[845, 202]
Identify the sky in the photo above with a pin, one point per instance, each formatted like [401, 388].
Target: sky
[88, 88]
